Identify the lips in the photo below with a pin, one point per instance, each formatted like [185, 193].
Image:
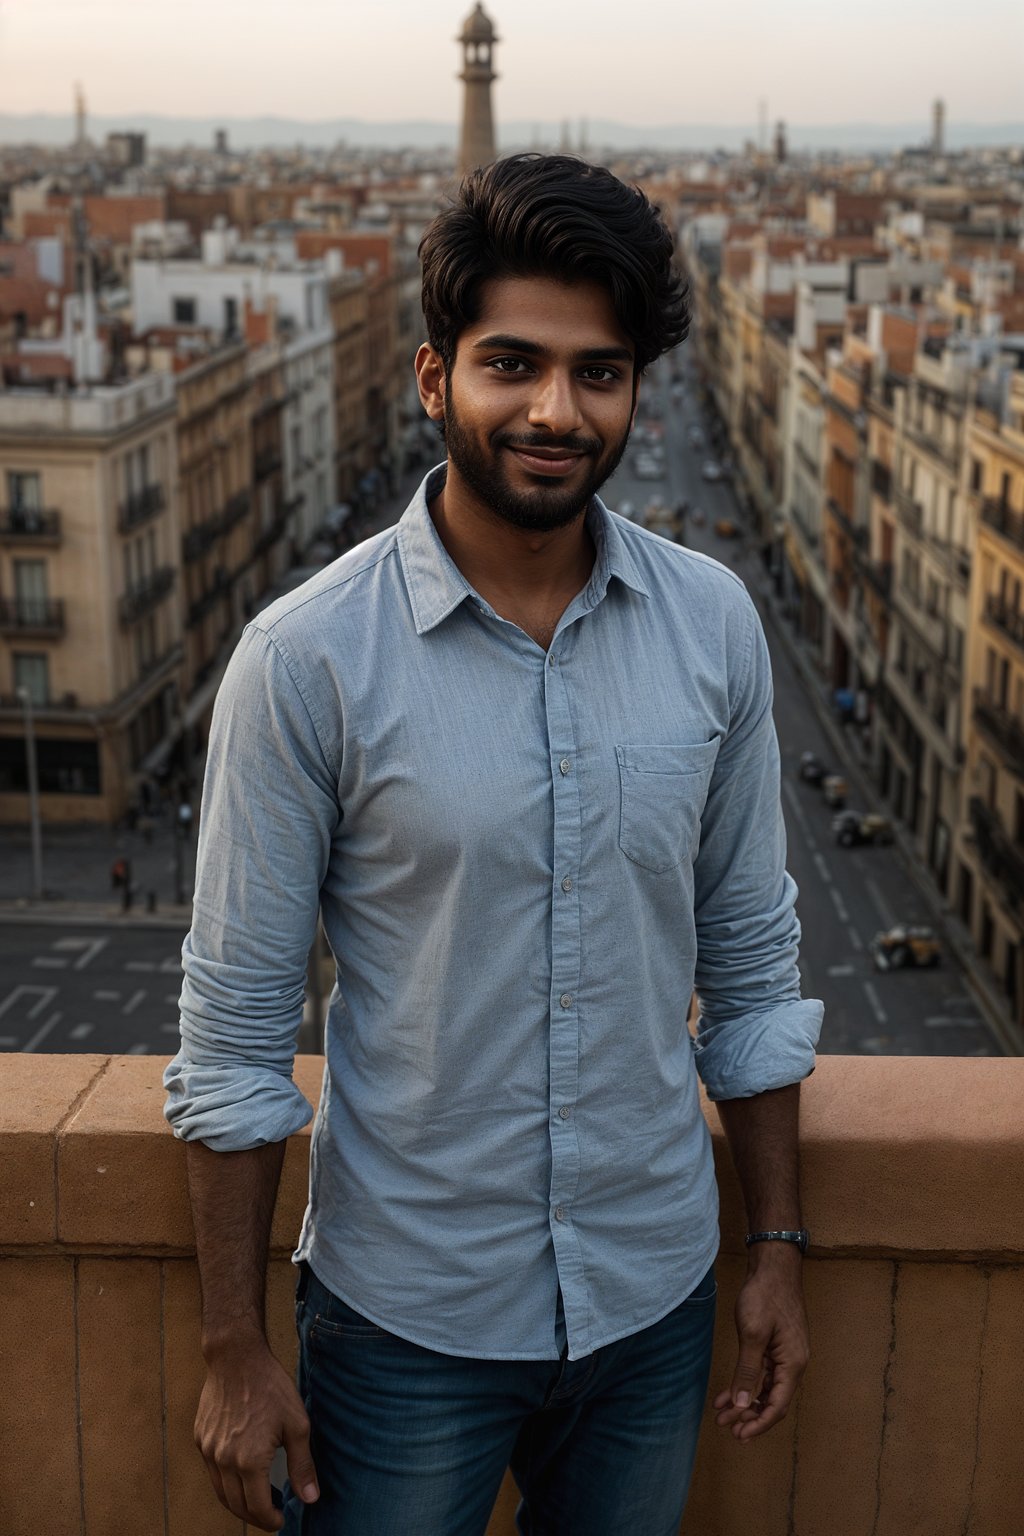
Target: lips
[549, 462]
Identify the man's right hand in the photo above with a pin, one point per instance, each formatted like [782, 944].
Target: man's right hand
[248, 1407]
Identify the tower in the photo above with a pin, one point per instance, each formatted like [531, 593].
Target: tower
[478, 38]
[81, 137]
[780, 143]
[938, 126]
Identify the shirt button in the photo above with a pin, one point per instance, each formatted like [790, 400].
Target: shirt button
[559, 1212]
[564, 766]
[552, 662]
[564, 1112]
[566, 1000]
[567, 885]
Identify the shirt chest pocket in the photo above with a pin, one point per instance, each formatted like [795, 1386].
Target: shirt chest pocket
[662, 793]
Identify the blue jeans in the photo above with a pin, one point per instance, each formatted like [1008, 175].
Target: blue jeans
[407, 1440]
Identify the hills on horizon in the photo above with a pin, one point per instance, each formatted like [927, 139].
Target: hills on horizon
[245, 133]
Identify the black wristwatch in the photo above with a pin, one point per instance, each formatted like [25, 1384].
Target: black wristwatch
[800, 1238]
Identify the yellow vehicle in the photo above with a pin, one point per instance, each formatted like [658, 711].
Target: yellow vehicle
[903, 948]
[727, 529]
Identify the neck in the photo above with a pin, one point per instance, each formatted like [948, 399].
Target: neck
[499, 559]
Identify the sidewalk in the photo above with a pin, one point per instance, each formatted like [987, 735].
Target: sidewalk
[953, 933]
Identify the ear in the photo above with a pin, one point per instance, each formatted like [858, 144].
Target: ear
[430, 381]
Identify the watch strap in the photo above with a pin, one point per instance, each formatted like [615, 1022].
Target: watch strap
[799, 1238]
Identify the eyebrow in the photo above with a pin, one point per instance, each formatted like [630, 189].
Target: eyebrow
[509, 343]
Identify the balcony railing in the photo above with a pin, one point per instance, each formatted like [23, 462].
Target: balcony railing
[202, 535]
[145, 595]
[266, 463]
[272, 533]
[996, 852]
[878, 573]
[999, 516]
[1001, 727]
[63, 703]
[855, 531]
[218, 589]
[139, 507]
[25, 617]
[19, 526]
[1009, 621]
[117, 1276]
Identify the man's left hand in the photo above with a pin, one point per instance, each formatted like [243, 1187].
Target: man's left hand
[774, 1345]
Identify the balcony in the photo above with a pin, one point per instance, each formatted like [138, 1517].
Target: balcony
[272, 533]
[999, 516]
[140, 507]
[138, 600]
[21, 526]
[1004, 729]
[32, 618]
[1008, 621]
[266, 463]
[57, 705]
[911, 1174]
[854, 531]
[910, 513]
[235, 508]
[878, 574]
[219, 588]
[996, 852]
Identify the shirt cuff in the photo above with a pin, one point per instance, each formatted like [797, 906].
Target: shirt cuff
[758, 1052]
[232, 1108]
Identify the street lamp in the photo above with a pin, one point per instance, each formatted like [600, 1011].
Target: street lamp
[33, 796]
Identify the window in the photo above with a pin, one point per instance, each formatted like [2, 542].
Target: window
[977, 472]
[64, 767]
[32, 673]
[184, 311]
[30, 590]
[23, 493]
[230, 318]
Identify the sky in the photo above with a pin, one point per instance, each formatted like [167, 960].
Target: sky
[637, 61]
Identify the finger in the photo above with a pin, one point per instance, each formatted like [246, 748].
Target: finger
[301, 1471]
[749, 1372]
[234, 1497]
[774, 1407]
[259, 1503]
[216, 1480]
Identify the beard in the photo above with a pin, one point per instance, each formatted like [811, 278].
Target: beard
[551, 505]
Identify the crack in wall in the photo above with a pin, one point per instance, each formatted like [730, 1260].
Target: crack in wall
[791, 1505]
[58, 1136]
[78, 1397]
[887, 1393]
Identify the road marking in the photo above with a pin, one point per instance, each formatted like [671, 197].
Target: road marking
[104, 995]
[793, 801]
[840, 970]
[46, 995]
[138, 1050]
[840, 905]
[173, 998]
[882, 906]
[41, 1034]
[876, 1045]
[89, 948]
[140, 965]
[81, 1030]
[854, 937]
[133, 1002]
[822, 868]
[170, 1029]
[171, 967]
[49, 962]
[876, 1006]
[942, 1021]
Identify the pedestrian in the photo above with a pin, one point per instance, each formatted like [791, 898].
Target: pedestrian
[520, 752]
[118, 873]
[184, 821]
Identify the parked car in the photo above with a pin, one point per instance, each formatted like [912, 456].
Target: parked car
[853, 827]
[712, 470]
[811, 769]
[834, 789]
[697, 517]
[903, 947]
[647, 467]
[727, 529]
[696, 437]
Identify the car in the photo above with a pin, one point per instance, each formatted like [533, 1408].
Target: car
[853, 827]
[647, 467]
[697, 517]
[696, 437]
[712, 470]
[811, 769]
[727, 529]
[904, 947]
[833, 787]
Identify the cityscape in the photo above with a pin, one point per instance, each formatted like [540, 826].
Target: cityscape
[207, 394]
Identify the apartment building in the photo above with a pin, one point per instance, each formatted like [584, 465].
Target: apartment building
[307, 430]
[989, 843]
[90, 621]
[349, 310]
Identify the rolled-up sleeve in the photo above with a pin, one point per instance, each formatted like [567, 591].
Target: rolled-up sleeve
[755, 1032]
[270, 807]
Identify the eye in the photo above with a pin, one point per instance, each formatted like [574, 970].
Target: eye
[599, 374]
[510, 366]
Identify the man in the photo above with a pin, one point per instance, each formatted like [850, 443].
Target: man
[521, 755]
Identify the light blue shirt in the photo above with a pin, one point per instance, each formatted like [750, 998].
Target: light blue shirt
[526, 861]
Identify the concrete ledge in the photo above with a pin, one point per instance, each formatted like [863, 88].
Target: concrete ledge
[913, 1180]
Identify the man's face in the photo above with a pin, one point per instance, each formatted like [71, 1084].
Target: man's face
[539, 402]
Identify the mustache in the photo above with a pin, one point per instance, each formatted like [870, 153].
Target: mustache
[588, 445]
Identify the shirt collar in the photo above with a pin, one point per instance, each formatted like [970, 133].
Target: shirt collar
[436, 586]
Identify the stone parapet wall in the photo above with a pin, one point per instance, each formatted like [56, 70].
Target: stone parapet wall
[913, 1189]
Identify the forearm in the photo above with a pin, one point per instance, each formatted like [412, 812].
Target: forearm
[763, 1136]
[232, 1196]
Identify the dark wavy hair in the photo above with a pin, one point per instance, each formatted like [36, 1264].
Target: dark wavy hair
[553, 216]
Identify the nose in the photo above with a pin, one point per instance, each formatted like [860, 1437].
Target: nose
[555, 405]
